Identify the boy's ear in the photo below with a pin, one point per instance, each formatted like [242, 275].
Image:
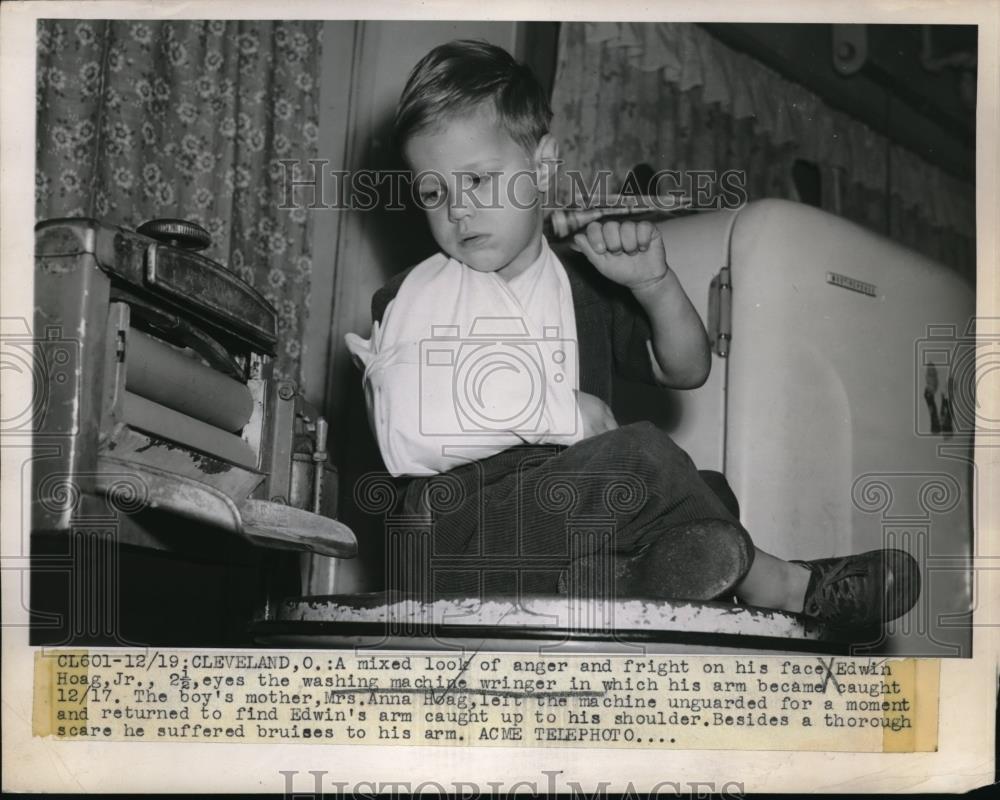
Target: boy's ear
[546, 161]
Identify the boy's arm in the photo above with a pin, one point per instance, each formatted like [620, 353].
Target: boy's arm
[632, 255]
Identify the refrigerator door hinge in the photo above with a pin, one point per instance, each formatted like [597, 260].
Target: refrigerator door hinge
[720, 312]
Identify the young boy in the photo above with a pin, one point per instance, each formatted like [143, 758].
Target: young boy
[472, 125]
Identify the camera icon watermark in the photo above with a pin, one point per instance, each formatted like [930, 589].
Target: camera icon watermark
[955, 372]
[497, 379]
[49, 361]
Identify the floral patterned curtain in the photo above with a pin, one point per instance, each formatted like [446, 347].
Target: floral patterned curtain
[673, 97]
[609, 115]
[138, 120]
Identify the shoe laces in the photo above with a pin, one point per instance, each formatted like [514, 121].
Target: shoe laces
[835, 585]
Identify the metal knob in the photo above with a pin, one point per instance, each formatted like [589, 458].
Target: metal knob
[176, 233]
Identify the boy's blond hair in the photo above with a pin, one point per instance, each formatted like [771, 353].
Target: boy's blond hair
[456, 78]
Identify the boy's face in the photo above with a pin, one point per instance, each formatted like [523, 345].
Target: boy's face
[479, 190]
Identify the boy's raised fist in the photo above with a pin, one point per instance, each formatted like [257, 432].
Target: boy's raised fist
[629, 253]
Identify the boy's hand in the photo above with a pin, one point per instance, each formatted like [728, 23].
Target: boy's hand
[597, 417]
[629, 253]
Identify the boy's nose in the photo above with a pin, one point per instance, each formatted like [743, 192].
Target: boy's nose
[459, 209]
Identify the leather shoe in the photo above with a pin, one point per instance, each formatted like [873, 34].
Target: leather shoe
[862, 590]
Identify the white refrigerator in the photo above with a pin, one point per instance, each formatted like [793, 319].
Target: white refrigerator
[840, 403]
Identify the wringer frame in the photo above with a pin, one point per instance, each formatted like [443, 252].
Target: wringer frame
[160, 409]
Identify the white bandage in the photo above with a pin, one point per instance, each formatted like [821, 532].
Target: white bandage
[466, 364]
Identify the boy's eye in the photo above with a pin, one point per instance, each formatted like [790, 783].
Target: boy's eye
[429, 197]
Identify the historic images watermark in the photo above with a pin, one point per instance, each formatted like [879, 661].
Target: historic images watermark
[465, 364]
[944, 405]
[316, 784]
[314, 185]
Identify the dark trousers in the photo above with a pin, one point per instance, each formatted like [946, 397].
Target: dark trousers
[510, 524]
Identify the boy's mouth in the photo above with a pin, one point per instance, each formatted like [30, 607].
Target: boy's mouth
[473, 239]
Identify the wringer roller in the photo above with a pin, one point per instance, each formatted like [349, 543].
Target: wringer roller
[161, 395]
